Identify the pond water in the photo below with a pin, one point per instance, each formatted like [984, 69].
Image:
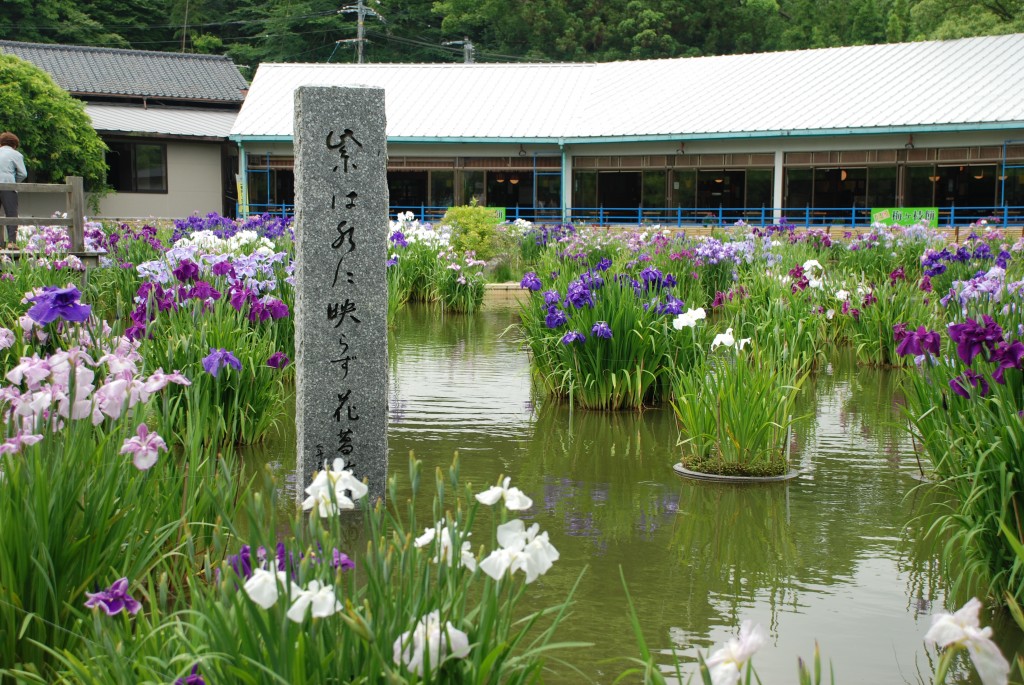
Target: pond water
[831, 556]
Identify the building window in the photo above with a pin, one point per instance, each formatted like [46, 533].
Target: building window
[271, 190]
[137, 167]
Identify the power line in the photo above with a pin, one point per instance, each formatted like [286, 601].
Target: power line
[361, 11]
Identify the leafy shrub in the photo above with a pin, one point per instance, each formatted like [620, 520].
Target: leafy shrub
[474, 229]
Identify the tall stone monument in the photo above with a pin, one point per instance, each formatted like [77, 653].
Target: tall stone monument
[341, 232]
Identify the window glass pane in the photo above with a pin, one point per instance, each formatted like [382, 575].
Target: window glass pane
[119, 166]
[259, 193]
[654, 189]
[149, 168]
[584, 189]
[472, 187]
[720, 189]
[407, 189]
[840, 189]
[509, 189]
[1014, 187]
[799, 184]
[978, 188]
[284, 186]
[684, 188]
[549, 190]
[442, 189]
[759, 188]
[921, 184]
[881, 187]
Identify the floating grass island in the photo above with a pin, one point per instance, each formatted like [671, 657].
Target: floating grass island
[715, 469]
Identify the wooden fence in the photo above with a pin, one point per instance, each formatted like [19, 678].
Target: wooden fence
[74, 192]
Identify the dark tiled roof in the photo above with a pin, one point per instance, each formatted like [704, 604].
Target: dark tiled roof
[106, 71]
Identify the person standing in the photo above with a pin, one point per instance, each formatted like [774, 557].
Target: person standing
[12, 170]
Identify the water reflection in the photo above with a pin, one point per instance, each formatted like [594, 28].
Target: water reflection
[828, 556]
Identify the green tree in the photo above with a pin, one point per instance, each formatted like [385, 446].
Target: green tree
[109, 23]
[943, 19]
[57, 137]
[868, 25]
[897, 25]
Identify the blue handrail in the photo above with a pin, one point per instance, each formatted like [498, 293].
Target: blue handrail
[805, 217]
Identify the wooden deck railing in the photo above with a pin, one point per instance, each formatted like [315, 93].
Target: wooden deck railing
[74, 192]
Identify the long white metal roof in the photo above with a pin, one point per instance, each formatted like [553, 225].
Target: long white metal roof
[169, 121]
[935, 85]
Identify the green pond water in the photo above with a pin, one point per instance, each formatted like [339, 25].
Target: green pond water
[832, 556]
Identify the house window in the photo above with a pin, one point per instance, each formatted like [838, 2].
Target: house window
[137, 167]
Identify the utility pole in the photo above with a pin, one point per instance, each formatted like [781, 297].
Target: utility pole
[361, 10]
[468, 51]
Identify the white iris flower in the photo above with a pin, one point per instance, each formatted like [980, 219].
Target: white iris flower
[689, 318]
[430, 642]
[339, 480]
[522, 549]
[727, 663]
[320, 597]
[514, 498]
[963, 629]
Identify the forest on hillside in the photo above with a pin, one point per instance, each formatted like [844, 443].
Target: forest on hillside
[254, 31]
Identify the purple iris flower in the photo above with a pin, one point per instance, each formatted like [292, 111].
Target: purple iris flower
[136, 331]
[242, 562]
[926, 284]
[591, 280]
[578, 295]
[239, 296]
[218, 359]
[398, 238]
[897, 275]
[1008, 356]
[651, 277]
[342, 561]
[551, 297]
[604, 264]
[258, 311]
[391, 262]
[601, 330]
[916, 342]
[672, 306]
[193, 679]
[278, 360]
[58, 303]
[223, 268]
[277, 309]
[573, 336]
[959, 385]
[204, 291]
[114, 599]
[186, 271]
[530, 282]
[555, 318]
[972, 338]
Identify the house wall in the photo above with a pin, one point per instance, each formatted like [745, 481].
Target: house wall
[194, 185]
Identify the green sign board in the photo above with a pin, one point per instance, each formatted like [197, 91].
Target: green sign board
[905, 216]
